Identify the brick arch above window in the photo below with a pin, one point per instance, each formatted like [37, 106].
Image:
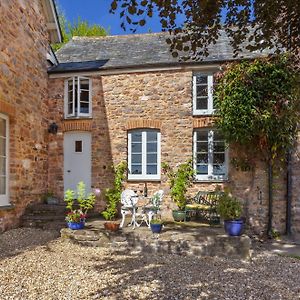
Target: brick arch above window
[77, 125]
[203, 122]
[142, 123]
[7, 108]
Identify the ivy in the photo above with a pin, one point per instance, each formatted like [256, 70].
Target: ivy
[258, 104]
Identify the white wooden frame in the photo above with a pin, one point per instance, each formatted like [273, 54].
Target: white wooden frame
[210, 81]
[4, 199]
[76, 80]
[144, 175]
[210, 176]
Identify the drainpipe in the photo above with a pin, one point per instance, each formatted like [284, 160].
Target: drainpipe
[289, 193]
[270, 179]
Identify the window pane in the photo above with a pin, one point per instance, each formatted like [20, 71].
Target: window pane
[136, 158]
[2, 166]
[2, 127]
[202, 135]
[202, 158]
[2, 146]
[202, 169]
[151, 147]
[218, 136]
[151, 169]
[151, 136]
[219, 169]
[202, 147]
[136, 136]
[136, 169]
[219, 158]
[2, 185]
[78, 146]
[84, 107]
[84, 96]
[70, 108]
[201, 103]
[202, 91]
[201, 79]
[219, 147]
[84, 84]
[151, 158]
[136, 147]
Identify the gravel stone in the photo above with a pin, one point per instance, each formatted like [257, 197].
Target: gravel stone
[35, 264]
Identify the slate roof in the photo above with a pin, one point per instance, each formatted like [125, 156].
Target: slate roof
[131, 51]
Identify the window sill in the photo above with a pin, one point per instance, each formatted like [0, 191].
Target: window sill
[212, 180]
[78, 118]
[203, 113]
[143, 180]
[7, 207]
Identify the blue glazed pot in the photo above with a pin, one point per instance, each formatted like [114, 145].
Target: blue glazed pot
[156, 228]
[76, 226]
[234, 227]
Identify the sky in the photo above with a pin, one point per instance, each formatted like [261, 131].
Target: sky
[97, 12]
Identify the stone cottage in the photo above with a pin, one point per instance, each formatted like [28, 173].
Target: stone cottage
[125, 98]
[26, 29]
[115, 98]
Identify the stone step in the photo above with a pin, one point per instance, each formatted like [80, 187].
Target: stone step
[186, 241]
[43, 218]
[57, 225]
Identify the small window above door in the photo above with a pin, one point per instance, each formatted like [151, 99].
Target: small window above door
[78, 97]
[78, 146]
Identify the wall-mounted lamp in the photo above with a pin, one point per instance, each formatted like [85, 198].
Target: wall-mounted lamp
[53, 128]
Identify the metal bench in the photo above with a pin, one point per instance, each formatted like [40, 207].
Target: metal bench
[204, 207]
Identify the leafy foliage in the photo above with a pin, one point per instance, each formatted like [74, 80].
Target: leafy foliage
[180, 180]
[194, 25]
[229, 208]
[85, 201]
[258, 104]
[77, 28]
[113, 195]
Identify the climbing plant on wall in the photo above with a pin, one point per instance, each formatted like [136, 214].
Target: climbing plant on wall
[258, 107]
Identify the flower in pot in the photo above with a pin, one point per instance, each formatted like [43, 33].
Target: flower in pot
[76, 217]
[156, 225]
[179, 180]
[230, 209]
[113, 198]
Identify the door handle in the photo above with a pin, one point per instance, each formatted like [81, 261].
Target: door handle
[69, 171]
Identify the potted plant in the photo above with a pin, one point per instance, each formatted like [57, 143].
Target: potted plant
[48, 198]
[179, 180]
[230, 209]
[76, 217]
[113, 198]
[156, 225]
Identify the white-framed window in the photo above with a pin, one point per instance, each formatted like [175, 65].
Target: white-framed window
[210, 155]
[78, 97]
[4, 160]
[203, 103]
[144, 154]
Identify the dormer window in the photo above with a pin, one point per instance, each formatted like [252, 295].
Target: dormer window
[78, 97]
[203, 94]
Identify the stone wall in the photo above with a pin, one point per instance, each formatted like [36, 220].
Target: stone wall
[23, 90]
[160, 100]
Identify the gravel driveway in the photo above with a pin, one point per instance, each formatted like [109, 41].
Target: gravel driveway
[44, 267]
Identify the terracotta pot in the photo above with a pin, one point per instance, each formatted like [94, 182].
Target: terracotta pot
[112, 226]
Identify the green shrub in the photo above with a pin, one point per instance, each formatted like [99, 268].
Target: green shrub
[113, 195]
[179, 181]
[229, 208]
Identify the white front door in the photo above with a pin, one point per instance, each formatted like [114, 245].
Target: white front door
[4, 155]
[77, 159]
